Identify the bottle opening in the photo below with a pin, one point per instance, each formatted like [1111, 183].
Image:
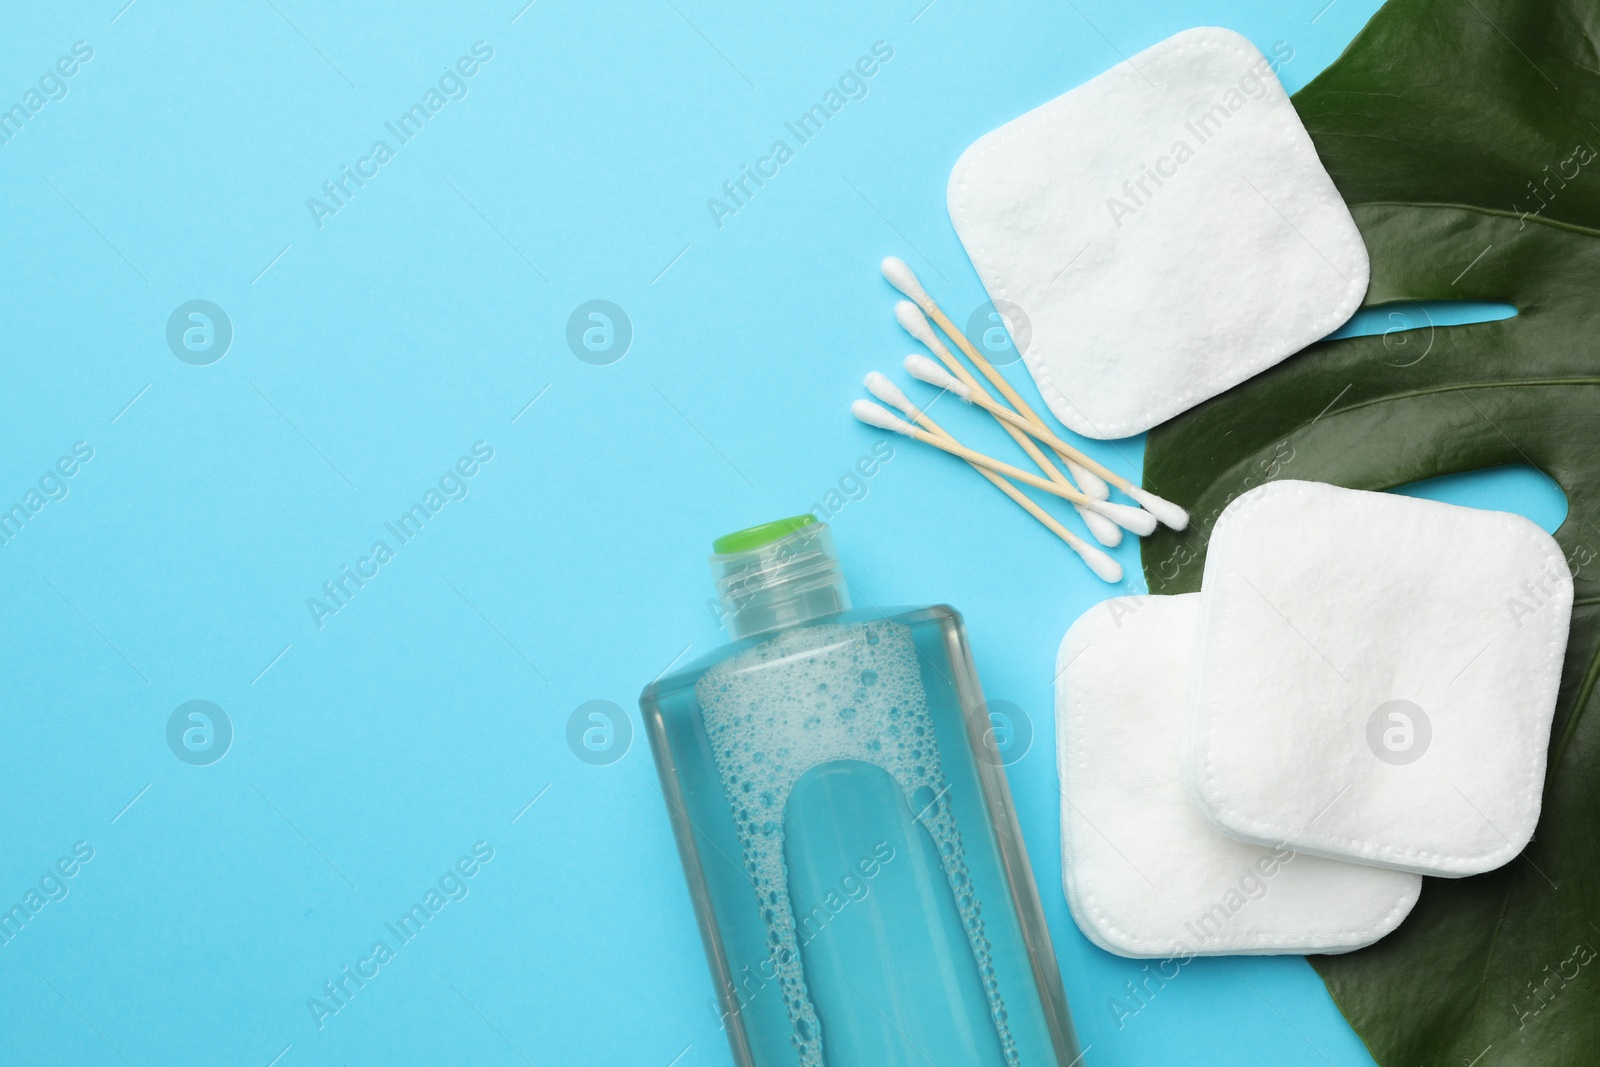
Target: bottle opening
[776, 575]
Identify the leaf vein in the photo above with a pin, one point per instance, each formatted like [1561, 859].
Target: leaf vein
[1579, 707]
[1412, 394]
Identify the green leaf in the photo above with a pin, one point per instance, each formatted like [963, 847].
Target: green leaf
[1439, 125]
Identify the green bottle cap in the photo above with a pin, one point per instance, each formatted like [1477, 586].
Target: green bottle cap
[764, 534]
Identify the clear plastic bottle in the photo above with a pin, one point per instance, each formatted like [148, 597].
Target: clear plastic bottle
[843, 819]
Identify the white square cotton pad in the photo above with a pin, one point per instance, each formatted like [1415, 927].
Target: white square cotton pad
[1375, 677]
[1159, 234]
[1145, 875]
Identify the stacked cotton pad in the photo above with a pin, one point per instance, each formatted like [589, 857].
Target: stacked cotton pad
[1166, 231]
[1360, 694]
[1145, 874]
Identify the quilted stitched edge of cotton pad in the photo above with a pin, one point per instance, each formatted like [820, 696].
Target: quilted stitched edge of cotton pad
[1255, 900]
[1230, 549]
[1296, 149]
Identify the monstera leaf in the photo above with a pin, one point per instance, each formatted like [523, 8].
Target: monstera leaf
[1463, 134]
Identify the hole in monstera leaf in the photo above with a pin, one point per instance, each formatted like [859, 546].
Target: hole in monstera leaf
[1408, 326]
[1518, 487]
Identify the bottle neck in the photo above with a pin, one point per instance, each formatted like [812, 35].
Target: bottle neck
[791, 581]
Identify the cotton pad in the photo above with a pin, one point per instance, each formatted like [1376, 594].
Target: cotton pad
[1165, 231]
[1375, 677]
[1145, 875]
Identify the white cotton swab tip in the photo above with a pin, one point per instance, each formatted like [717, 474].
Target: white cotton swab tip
[876, 415]
[900, 275]
[914, 322]
[885, 390]
[1105, 568]
[1134, 520]
[1088, 480]
[924, 369]
[1169, 513]
[1104, 530]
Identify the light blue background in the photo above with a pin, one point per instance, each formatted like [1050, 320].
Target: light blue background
[368, 355]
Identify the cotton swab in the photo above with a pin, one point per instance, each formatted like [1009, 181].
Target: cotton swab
[924, 369]
[879, 416]
[1104, 567]
[900, 275]
[1134, 520]
[914, 323]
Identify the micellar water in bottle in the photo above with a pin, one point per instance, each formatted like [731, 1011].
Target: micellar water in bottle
[843, 819]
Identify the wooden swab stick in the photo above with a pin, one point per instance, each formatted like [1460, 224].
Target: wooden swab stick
[926, 370]
[1134, 520]
[902, 277]
[1104, 567]
[914, 323]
